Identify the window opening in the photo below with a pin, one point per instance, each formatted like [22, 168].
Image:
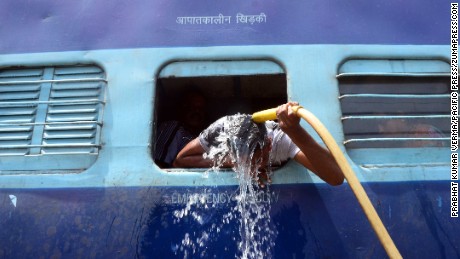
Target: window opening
[227, 88]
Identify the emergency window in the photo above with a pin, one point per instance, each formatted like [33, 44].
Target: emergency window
[228, 87]
[50, 117]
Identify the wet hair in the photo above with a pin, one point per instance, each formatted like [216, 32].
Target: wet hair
[236, 137]
[248, 136]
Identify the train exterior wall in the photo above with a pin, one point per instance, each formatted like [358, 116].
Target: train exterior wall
[123, 205]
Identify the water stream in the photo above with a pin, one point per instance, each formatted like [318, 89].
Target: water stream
[239, 141]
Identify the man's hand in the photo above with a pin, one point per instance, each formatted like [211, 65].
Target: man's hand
[287, 119]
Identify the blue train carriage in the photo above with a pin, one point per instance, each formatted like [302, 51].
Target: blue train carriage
[84, 85]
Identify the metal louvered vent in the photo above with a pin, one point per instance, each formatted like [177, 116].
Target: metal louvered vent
[51, 110]
[395, 103]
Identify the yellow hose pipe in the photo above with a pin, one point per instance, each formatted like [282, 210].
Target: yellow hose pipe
[264, 115]
[348, 173]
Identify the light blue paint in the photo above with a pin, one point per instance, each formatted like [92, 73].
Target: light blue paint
[124, 159]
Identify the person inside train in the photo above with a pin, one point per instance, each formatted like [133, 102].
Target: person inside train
[283, 140]
[173, 135]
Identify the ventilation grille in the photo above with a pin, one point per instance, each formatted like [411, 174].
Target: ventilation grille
[404, 104]
[51, 110]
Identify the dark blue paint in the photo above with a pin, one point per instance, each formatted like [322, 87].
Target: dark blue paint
[311, 221]
[42, 26]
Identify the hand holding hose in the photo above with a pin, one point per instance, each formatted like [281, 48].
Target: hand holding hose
[287, 118]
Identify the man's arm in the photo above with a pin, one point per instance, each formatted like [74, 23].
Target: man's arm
[192, 156]
[312, 155]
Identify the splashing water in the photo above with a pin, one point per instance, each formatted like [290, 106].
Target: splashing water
[240, 141]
